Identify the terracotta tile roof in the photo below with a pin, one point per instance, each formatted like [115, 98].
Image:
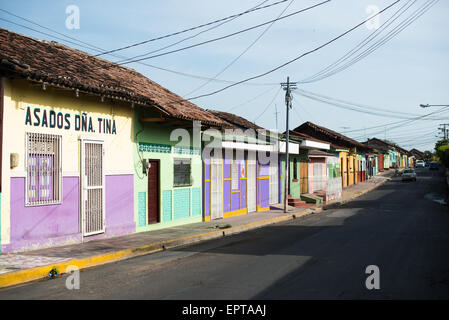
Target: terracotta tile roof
[379, 144]
[59, 65]
[326, 134]
[235, 120]
[304, 136]
[418, 154]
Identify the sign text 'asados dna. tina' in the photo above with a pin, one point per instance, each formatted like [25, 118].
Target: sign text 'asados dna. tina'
[79, 122]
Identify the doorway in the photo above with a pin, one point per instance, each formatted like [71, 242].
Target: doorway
[153, 192]
[92, 187]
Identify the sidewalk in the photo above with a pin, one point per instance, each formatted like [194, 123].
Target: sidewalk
[16, 268]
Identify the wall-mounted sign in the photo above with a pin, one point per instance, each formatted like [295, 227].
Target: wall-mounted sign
[79, 122]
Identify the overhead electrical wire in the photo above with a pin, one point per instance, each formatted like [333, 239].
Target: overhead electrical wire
[266, 108]
[403, 123]
[296, 58]
[375, 47]
[252, 99]
[403, 134]
[359, 45]
[92, 47]
[242, 53]
[123, 61]
[223, 37]
[357, 107]
[327, 72]
[193, 28]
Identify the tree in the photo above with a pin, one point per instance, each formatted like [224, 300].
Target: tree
[442, 152]
[428, 156]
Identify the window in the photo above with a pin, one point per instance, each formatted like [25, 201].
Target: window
[43, 166]
[181, 172]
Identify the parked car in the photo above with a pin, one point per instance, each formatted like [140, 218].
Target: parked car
[420, 163]
[433, 165]
[427, 163]
[409, 175]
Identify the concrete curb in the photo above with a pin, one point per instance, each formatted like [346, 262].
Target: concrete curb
[27, 275]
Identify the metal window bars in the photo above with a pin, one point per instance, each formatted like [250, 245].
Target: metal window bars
[43, 169]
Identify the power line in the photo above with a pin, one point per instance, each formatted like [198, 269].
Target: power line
[357, 107]
[266, 108]
[406, 122]
[192, 28]
[242, 53]
[335, 103]
[99, 49]
[223, 37]
[357, 47]
[399, 28]
[397, 124]
[184, 39]
[49, 29]
[252, 99]
[296, 58]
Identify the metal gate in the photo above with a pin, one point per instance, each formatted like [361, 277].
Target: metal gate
[92, 187]
[251, 184]
[216, 186]
[274, 192]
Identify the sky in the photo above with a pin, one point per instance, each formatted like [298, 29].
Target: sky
[410, 69]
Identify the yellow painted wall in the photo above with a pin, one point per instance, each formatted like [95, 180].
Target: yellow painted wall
[350, 179]
[21, 94]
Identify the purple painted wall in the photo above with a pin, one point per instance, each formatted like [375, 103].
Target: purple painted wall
[119, 205]
[264, 185]
[242, 194]
[235, 201]
[206, 199]
[227, 195]
[264, 193]
[227, 169]
[35, 227]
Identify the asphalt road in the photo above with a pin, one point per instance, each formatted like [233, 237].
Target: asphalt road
[398, 227]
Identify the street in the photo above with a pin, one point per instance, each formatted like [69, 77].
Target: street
[399, 227]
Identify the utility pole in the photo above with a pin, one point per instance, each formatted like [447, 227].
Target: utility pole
[445, 134]
[287, 86]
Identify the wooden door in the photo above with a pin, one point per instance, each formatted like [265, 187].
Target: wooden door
[153, 192]
[303, 176]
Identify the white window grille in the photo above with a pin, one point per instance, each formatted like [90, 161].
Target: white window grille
[43, 167]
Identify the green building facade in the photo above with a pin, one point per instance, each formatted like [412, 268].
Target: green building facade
[177, 178]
